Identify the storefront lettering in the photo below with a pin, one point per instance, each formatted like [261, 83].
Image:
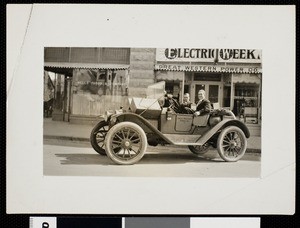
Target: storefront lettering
[232, 69]
[100, 83]
[253, 70]
[207, 54]
[201, 68]
[227, 54]
[172, 53]
[170, 67]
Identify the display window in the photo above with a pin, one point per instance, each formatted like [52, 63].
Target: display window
[247, 101]
[95, 91]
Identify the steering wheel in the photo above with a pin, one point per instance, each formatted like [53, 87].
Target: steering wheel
[188, 110]
[174, 105]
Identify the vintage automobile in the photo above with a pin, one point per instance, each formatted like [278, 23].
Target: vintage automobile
[123, 135]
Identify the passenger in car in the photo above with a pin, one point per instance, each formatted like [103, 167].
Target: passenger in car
[203, 106]
[185, 103]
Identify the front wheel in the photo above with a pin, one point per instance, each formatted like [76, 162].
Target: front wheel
[199, 150]
[97, 137]
[126, 143]
[232, 144]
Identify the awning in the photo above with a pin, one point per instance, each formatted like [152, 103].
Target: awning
[86, 65]
[208, 68]
[170, 76]
[246, 78]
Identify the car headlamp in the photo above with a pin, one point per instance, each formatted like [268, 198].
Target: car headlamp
[113, 119]
[107, 114]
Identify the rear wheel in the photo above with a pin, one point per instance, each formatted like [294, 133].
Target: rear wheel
[126, 143]
[97, 137]
[199, 150]
[232, 144]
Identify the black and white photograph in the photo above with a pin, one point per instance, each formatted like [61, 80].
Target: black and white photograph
[150, 109]
[172, 112]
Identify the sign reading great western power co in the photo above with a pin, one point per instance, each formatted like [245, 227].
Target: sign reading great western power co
[208, 55]
[204, 68]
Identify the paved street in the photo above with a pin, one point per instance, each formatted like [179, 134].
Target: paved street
[67, 158]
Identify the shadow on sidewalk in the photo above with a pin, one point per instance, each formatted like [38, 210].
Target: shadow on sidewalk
[149, 158]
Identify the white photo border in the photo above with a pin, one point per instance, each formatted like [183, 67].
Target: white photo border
[269, 28]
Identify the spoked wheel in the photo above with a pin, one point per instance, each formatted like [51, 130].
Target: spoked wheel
[199, 150]
[232, 144]
[126, 143]
[97, 137]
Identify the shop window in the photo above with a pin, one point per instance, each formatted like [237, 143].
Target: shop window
[226, 96]
[247, 93]
[59, 91]
[213, 93]
[186, 89]
[95, 92]
[246, 98]
[172, 88]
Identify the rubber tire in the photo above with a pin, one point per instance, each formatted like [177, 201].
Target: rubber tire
[221, 138]
[197, 152]
[100, 150]
[110, 135]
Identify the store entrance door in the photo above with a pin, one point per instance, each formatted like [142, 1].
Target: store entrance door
[212, 92]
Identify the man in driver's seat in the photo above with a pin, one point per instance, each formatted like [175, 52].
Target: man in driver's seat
[186, 104]
[203, 105]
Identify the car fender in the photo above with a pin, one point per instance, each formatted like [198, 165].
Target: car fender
[221, 125]
[142, 122]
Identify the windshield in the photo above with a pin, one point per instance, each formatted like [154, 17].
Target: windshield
[156, 91]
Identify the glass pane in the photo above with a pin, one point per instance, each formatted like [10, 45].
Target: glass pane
[226, 96]
[213, 93]
[96, 91]
[59, 93]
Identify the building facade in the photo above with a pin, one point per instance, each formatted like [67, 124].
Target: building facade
[89, 81]
[230, 77]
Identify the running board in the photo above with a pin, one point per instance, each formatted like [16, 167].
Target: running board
[183, 140]
[187, 144]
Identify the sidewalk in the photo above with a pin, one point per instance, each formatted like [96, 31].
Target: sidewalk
[75, 132]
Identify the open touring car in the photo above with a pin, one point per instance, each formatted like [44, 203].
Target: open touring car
[124, 135]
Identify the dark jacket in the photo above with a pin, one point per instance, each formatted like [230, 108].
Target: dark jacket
[204, 107]
[183, 106]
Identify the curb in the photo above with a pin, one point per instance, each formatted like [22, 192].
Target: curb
[253, 150]
[68, 138]
[81, 139]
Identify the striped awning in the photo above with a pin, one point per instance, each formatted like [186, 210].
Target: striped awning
[86, 65]
[170, 76]
[246, 78]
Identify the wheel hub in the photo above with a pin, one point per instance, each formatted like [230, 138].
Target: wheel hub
[126, 144]
[232, 144]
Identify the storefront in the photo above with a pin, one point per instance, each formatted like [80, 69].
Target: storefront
[88, 81]
[231, 78]
[95, 91]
